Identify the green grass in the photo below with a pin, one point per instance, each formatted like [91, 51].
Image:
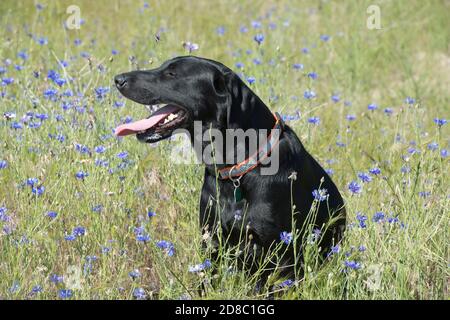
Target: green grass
[408, 57]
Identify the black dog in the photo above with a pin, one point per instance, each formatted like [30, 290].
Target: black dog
[204, 90]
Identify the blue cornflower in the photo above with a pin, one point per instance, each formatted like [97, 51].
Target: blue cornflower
[309, 94]
[354, 187]
[424, 194]
[70, 237]
[82, 149]
[97, 208]
[22, 55]
[38, 191]
[329, 171]
[256, 24]
[364, 177]
[114, 52]
[352, 264]
[7, 81]
[313, 75]
[372, 106]
[3, 216]
[259, 38]
[314, 120]
[3, 164]
[52, 214]
[361, 219]
[142, 237]
[151, 214]
[167, 246]
[362, 248]
[286, 237]
[378, 216]
[375, 171]
[444, 153]
[134, 274]
[320, 194]
[65, 293]
[122, 155]
[77, 42]
[50, 93]
[200, 267]
[251, 80]
[139, 294]
[350, 117]
[81, 175]
[42, 41]
[433, 146]
[119, 104]
[56, 279]
[335, 249]
[36, 289]
[101, 92]
[32, 181]
[325, 37]
[243, 29]
[286, 283]
[335, 98]
[388, 111]
[100, 149]
[220, 30]
[440, 122]
[410, 100]
[79, 231]
[405, 169]
[298, 66]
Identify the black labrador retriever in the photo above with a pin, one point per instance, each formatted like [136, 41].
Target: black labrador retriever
[237, 196]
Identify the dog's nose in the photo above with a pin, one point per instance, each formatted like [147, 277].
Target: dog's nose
[121, 81]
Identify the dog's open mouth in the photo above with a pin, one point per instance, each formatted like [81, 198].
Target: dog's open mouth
[158, 126]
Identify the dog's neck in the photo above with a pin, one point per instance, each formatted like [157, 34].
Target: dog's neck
[260, 119]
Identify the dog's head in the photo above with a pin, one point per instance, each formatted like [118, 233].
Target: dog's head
[190, 88]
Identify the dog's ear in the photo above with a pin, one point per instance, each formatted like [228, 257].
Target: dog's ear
[241, 102]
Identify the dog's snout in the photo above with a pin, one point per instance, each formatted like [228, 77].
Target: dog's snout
[121, 81]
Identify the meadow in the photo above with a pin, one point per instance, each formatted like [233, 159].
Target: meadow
[87, 215]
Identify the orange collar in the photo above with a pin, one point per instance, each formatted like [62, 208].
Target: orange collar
[238, 170]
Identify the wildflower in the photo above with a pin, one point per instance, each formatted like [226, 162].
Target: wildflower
[81, 175]
[50, 93]
[79, 231]
[190, 46]
[36, 289]
[444, 153]
[350, 117]
[243, 29]
[286, 283]
[65, 293]
[101, 92]
[335, 98]
[56, 279]
[7, 81]
[38, 191]
[238, 215]
[354, 187]
[134, 274]
[440, 122]
[286, 237]
[378, 216]
[309, 94]
[139, 294]
[70, 237]
[352, 264]
[361, 219]
[42, 41]
[329, 171]
[142, 237]
[433, 146]
[220, 30]
[405, 169]
[200, 267]
[298, 66]
[312, 75]
[22, 55]
[410, 100]
[325, 37]
[259, 38]
[335, 249]
[239, 65]
[256, 24]
[314, 120]
[305, 50]
[361, 248]
[388, 111]
[3, 164]
[122, 155]
[52, 214]
[372, 106]
[167, 246]
[364, 177]
[320, 194]
[375, 171]
[251, 80]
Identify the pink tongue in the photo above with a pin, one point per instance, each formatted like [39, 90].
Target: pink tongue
[144, 124]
